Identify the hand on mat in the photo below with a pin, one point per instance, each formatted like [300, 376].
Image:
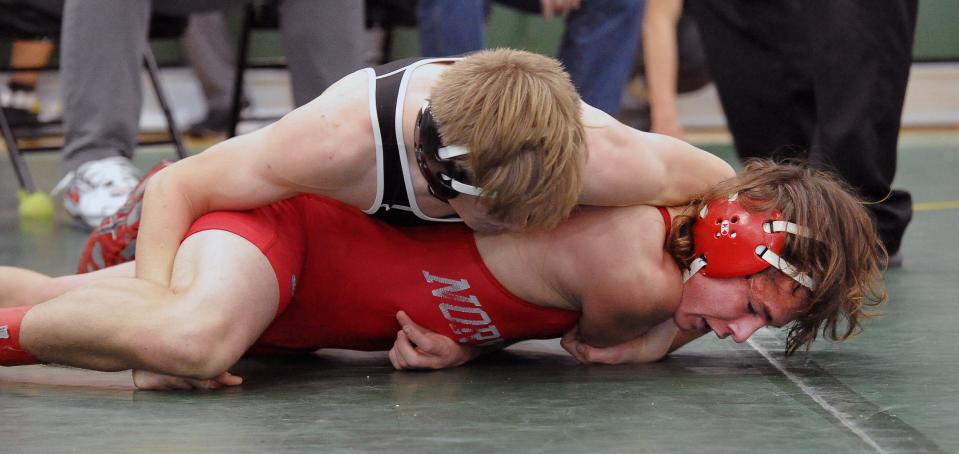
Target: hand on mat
[419, 348]
[152, 381]
[649, 347]
[557, 7]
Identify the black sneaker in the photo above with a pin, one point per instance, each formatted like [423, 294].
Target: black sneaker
[20, 118]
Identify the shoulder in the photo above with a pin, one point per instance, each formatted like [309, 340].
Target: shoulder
[339, 116]
[347, 99]
[617, 249]
[618, 272]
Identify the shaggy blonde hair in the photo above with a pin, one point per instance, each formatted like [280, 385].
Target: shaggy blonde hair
[520, 117]
[843, 259]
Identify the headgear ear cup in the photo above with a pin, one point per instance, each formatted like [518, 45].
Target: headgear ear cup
[730, 241]
[436, 160]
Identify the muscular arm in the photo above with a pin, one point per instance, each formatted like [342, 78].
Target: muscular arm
[662, 62]
[631, 167]
[621, 276]
[306, 151]
[612, 322]
[618, 323]
[651, 346]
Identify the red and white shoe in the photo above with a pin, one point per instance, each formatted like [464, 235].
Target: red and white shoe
[114, 241]
[97, 189]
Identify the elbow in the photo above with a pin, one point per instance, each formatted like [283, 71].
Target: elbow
[726, 170]
[158, 185]
[198, 358]
[167, 190]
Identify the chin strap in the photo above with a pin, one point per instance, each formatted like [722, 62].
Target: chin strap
[782, 265]
[694, 268]
[775, 260]
[462, 188]
[788, 227]
[450, 152]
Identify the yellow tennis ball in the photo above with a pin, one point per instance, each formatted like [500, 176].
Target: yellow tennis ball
[37, 206]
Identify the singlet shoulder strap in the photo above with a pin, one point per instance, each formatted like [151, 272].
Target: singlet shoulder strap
[390, 82]
[666, 219]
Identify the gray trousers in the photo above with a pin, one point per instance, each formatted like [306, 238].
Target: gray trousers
[212, 55]
[101, 52]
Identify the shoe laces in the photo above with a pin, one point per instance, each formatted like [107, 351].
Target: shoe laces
[116, 172]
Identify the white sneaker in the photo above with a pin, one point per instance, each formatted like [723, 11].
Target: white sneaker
[97, 189]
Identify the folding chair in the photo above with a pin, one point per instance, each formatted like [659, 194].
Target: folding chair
[264, 16]
[22, 21]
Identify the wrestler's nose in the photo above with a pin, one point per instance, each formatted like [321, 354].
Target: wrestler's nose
[742, 329]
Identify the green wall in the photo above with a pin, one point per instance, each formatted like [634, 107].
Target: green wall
[937, 31]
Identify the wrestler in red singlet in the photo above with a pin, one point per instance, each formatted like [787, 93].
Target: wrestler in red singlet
[343, 276]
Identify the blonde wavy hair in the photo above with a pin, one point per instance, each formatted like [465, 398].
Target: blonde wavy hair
[844, 259]
[520, 116]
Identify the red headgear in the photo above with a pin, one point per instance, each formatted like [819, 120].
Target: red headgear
[731, 241]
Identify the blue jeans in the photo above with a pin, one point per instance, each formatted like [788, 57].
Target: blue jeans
[598, 46]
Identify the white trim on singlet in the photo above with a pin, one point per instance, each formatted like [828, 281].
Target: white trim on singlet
[377, 140]
[401, 143]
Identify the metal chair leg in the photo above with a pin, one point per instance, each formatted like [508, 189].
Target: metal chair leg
[19, 165]
[153, 70]
[241, 57]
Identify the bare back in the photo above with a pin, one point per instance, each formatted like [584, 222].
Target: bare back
[608, 263]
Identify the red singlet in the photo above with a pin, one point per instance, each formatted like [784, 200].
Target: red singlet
[343, 276]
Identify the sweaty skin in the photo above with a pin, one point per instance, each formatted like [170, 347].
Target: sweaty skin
[326, 147]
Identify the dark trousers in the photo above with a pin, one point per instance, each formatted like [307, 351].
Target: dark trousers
[598, 47]
[822, 80]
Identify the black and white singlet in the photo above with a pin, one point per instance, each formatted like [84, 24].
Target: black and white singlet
[395, 202]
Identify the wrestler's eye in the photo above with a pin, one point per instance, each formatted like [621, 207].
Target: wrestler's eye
[752, 311]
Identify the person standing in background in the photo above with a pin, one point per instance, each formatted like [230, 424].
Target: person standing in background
[822, 80]
[598, 46]
[101, 52]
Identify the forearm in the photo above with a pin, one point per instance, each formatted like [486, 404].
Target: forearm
[631, 167]
[661, 59]
[651, 346]
[608, 333]
[691, 171]
[168, 212]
